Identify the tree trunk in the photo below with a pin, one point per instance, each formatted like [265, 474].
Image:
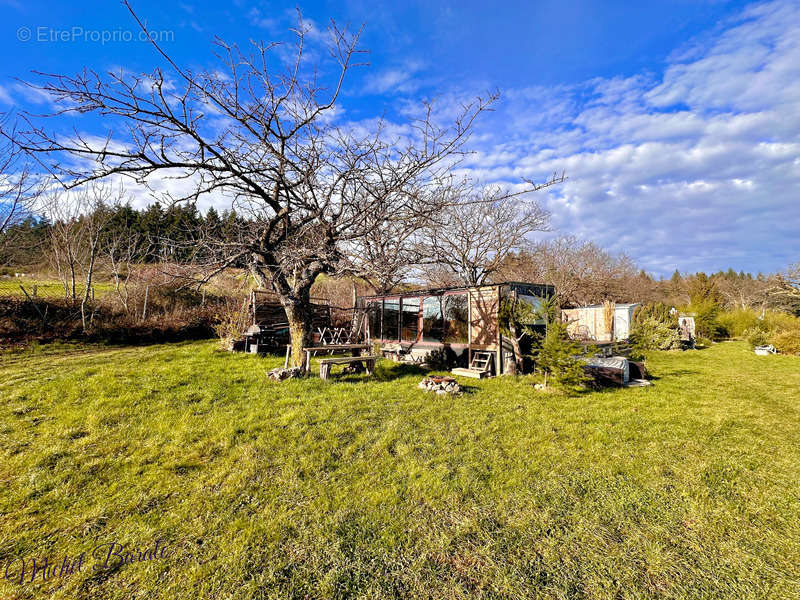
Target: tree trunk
[89, 275]
[512, 328]
[515, 335]
[295, 298]
[298, 313]
[72, 281]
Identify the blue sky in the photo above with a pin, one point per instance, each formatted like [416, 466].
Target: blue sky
[677, 122]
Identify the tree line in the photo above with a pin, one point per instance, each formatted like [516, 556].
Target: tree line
[582, 272]
[310, 195]
[158, 232]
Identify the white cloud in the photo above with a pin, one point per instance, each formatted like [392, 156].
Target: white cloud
[5, 96]
[33, 95]
[403, 79]
[257, 18]
[697, 169]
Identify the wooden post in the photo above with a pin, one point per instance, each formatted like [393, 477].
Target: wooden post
[288, 353]
[35, 289]
[498, 366]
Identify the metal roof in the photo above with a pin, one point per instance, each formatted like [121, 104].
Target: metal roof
[616, 305]
[441, 290]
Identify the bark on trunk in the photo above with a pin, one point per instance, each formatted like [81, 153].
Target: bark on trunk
[516, 347]
[298, 313]
[515, 335]
[72, 282]
[295, 296]
[87, 291]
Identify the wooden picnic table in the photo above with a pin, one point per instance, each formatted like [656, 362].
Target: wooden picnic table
[354, 348]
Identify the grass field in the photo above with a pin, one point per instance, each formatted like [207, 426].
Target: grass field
[47, 289]
[373, 489]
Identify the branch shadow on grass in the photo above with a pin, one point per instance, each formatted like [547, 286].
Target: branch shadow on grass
[393, 371]
[675, 373]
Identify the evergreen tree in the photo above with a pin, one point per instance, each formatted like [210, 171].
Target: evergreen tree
[212, 221]
[703, 289]
[560, 357]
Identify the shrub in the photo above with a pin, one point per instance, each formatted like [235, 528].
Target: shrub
[779, 329]
[736, 322]
[655, 310]
[705, 321]
[786, 342]
[231, 321]
[437, 360]
[653, 334]
[560, 357]
[756, 336]
[780, 321]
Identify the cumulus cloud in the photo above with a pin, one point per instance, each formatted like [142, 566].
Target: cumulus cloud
[695, 168]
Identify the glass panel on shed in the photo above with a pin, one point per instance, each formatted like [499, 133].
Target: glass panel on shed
[535, 304]
[410, 323]
[432, 320]
[456, 317]
[391, 319]
[374, 318]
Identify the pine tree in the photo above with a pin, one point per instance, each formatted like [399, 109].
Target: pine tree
[560, 357]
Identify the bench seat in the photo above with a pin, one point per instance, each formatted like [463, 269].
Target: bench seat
[326, 363]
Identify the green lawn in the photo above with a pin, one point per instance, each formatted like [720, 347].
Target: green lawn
[373, 489]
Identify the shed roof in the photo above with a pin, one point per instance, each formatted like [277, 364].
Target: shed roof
[441, 290]
[599, 306]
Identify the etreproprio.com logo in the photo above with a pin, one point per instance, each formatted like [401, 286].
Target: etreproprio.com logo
[95, 36]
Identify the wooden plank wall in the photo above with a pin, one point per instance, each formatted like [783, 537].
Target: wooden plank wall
[484, 306]
[272, 313]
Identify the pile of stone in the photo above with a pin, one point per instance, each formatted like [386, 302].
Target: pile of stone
[440, 385]
[281, 374]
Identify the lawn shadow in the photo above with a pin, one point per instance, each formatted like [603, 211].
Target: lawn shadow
[469, 389]
[398, 371]
[675, 373]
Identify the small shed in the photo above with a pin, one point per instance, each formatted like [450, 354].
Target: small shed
[270, 328]
[608, 322]
[454, 322]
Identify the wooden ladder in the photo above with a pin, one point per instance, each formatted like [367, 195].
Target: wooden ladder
[481, 361]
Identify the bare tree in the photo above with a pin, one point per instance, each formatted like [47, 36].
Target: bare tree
[385, 256]
[791, 278]
[65, 240]
[19, 185]
[785, 291]
[474, 236]
[78, 218]
[390, 249]
[581, 271]
[743, 292]
[263, 135]
[122, 247]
